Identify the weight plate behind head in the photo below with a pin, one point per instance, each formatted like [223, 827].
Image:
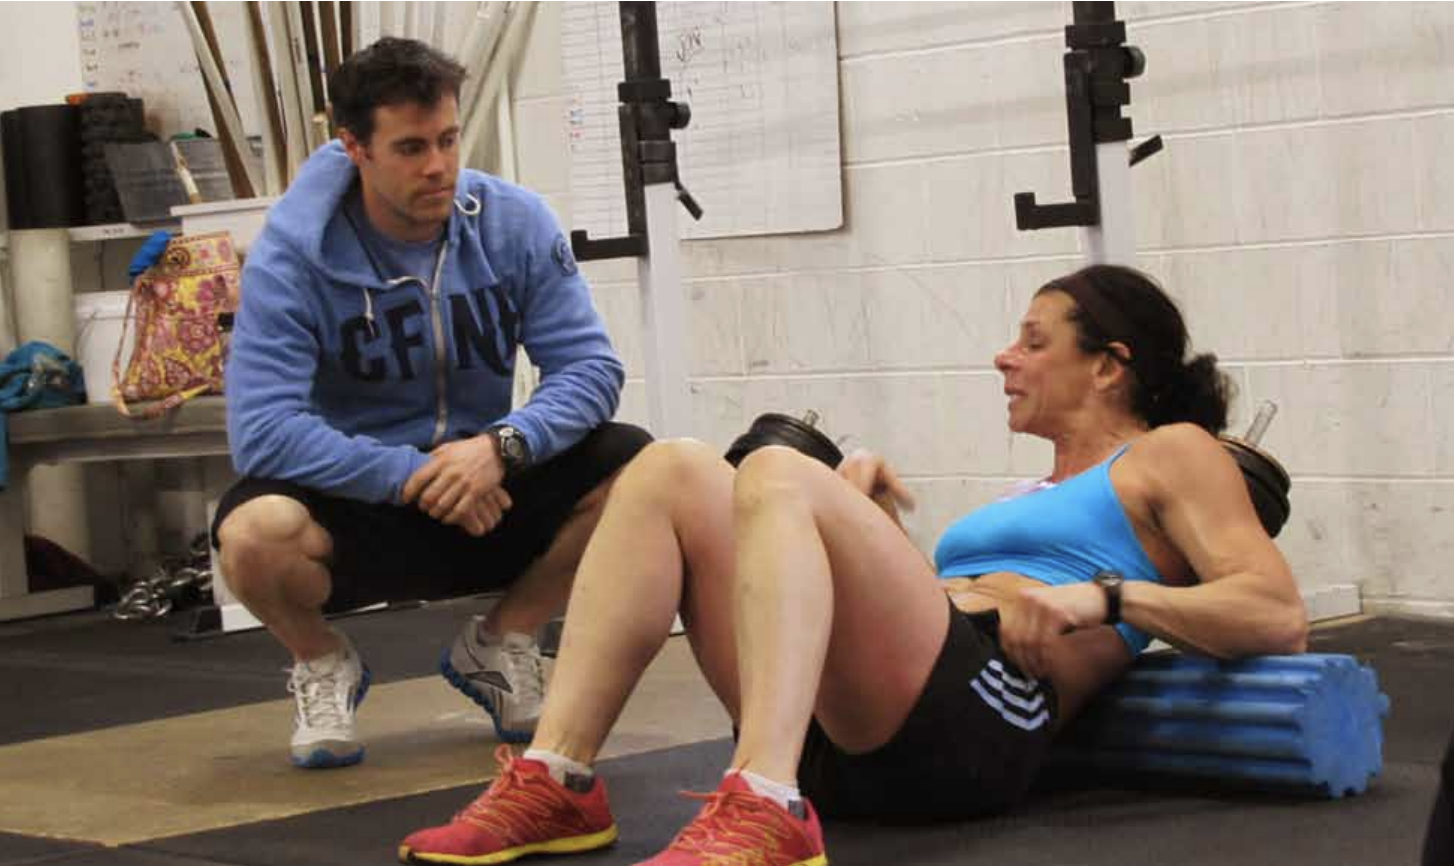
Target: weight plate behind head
[1267, 483]
[775, 429]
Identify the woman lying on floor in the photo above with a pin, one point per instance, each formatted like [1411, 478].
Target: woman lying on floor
[829, 639]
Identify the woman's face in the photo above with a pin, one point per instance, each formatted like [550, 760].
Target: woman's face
[1047, 376]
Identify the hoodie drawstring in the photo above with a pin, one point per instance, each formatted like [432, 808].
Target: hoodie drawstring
[471, 209]
[369, 299]
[369, 313]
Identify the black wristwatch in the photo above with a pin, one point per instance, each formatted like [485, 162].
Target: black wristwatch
[1110, 583]
[510, 443]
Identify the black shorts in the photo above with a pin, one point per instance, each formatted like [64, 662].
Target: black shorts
[972, 745]
[385, 552]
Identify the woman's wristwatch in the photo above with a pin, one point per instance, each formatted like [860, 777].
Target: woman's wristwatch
[1110, 583]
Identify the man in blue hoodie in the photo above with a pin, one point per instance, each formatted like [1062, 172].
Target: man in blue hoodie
[369, 403]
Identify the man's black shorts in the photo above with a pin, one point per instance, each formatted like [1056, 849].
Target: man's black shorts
[972, 744]
[384, 552]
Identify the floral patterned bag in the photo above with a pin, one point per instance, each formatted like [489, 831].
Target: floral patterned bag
[174, 306]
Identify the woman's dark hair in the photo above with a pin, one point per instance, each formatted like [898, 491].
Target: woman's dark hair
[1117, 304]
[391, 71]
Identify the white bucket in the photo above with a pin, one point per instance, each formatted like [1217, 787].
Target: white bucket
[99, 320]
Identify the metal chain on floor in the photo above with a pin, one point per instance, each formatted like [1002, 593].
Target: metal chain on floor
[177, 584]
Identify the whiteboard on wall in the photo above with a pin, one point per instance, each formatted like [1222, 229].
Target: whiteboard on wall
[143, 50]
[762, 152]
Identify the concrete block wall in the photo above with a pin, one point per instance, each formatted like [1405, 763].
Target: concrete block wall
[1301, 213]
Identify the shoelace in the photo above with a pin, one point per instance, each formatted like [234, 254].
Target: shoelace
[734, 829]
[319, 706]
[517, 806]
[523, 669]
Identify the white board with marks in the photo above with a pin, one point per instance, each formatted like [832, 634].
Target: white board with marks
[143, 49]
[762, 152]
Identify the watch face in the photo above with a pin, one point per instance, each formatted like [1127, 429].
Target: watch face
[512, 447]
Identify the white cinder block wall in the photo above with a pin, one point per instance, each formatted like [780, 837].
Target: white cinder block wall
[1302, 213]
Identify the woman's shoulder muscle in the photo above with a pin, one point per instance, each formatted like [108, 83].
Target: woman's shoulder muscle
[1177, 454]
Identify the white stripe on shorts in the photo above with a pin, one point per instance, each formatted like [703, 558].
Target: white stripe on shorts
[993, 693]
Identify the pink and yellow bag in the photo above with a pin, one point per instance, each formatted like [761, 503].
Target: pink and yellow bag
[174, 305]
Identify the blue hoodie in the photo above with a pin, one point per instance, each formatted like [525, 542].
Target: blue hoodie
[341, 379]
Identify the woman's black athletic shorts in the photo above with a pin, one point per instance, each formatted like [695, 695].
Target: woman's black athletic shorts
[972, 744]
[384, 552]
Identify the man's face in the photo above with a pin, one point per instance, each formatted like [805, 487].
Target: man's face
[409, 166]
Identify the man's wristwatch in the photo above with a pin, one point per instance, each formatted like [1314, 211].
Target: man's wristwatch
[1110, 583]
[510, 443]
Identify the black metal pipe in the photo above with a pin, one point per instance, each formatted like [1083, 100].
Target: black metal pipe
[1092, 13]
[1097, 63]
[646, 116]
[640, 50]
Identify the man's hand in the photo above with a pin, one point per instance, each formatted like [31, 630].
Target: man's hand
[460, 485]
[1038, 617]
[872, 476]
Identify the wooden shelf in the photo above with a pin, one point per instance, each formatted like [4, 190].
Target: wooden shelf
[118, 231]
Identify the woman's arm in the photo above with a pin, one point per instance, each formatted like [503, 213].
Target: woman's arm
[874, 478]
[1247, 602]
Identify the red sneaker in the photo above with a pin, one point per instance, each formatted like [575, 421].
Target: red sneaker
[740, 828]
[525, 811]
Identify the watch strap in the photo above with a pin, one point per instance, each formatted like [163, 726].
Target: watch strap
[1110, 584]
[510, 445]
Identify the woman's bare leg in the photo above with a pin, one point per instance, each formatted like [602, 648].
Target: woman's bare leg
[838, 614]
[663, 544]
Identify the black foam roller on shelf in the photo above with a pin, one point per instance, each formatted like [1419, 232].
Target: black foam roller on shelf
[17, 195]
[44, 186]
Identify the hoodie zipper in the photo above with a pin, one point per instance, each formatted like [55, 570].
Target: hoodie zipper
[436, 313]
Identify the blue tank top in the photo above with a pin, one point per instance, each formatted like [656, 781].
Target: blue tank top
[1057, 535]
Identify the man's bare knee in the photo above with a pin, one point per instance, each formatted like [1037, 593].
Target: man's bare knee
[263, 535]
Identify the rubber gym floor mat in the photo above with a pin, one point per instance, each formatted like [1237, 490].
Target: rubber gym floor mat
[1100, 826]
[233, 774]
[122, 857]
[221, 768]
[85, 672]
[1081, 826]
[15, 849]
[644, 796]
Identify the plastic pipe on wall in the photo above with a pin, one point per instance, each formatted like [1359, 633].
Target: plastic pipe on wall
[517, 27]
[40, 261]
[287, 72]
[479, 44]
[7, 317]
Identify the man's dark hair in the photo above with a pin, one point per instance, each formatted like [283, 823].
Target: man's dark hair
[391, 71]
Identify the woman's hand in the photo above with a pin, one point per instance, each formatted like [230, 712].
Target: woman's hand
[874, 478]
[1036, 618]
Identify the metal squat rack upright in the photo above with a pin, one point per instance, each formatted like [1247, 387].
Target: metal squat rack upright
[1098, 64]
[653, 188]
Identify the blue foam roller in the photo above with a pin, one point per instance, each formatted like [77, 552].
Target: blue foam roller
[1312, 723]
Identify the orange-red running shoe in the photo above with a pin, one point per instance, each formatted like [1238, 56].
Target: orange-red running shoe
[738, 827]
[525, 811]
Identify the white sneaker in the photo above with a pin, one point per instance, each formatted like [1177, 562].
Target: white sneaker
[327, 692]
[507, 679]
